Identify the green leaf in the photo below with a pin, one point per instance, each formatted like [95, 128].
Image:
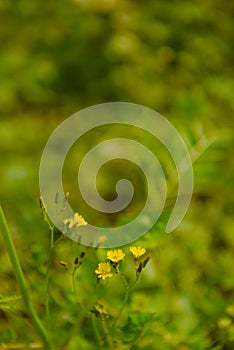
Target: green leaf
[7, 300]
[5, 303]
[134, 326]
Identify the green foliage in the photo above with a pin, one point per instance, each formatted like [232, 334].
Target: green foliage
[6, 303]
[134, 327]
[175, 57]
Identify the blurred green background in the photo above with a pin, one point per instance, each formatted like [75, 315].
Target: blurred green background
[175, 57]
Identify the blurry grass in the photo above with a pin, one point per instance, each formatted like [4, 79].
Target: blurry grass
[174, 57]
[188, 282]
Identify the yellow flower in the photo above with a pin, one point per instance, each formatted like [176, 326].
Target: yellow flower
[115, 255]
[137, 252]
[78, 220]
[103, 270]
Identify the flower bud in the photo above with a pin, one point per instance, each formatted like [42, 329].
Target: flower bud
[76, 260]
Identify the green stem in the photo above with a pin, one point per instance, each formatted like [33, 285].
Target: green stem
[129, 288]
[61, 237]
[102, 292]
[48, 275]
[124, 280]
[76, 292]
[22, 283]
[107, 335]
[96, 331]
[122, 277]
[123, 306]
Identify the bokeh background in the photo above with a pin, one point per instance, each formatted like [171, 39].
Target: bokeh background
[175, 57]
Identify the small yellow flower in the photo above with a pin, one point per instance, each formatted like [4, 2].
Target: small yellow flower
[115, 255]
[103, 270]
[78, 220]
[137, 252]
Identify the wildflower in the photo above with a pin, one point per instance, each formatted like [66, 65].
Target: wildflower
[103, 270]
[115, 255]
[137, 252]
[78, 220]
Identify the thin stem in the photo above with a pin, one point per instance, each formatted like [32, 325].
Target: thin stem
[129, 288]
[76, 292]
[124, 279]
[122, 307]
[48, 275]
[96, 331]
[59, 239]
[97, 286]
[107, 335]
[22, 283]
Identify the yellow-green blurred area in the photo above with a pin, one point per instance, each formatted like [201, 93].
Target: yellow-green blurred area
[176, 57]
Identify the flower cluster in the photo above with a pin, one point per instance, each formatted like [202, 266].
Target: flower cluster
[116, 256]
